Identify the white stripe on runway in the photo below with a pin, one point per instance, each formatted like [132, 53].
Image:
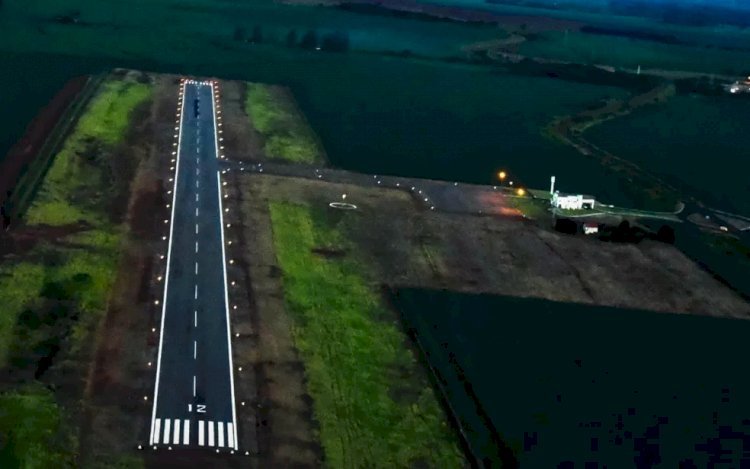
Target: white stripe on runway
[196, 292]
[186, 432]
[156, 432]
[221, 434]
[230, 435]
[166, 430]
[201, 436]
[210, 433]
[176, 435]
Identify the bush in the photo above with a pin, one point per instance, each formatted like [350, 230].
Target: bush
[566, 225]
[665, 234]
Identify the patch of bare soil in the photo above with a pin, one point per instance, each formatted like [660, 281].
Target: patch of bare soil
[23, 239]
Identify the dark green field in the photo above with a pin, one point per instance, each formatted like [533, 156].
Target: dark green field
[566, 382]
[694, 142]
[373, 112]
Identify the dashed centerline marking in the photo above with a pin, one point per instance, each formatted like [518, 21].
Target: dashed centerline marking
[196, 246]
[195, 349]
[196, 267]
[193, 385]
[195, 320]
[196, 292]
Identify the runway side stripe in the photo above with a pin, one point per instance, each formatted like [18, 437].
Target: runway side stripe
[224, 265]
[154, 434]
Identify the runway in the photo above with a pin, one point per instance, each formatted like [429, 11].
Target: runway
[194, 402]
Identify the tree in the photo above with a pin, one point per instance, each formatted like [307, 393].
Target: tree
[239, 33]
[335, 42]
[622, 232]
[566, 225]
[257, 37]
[291, 38]
[665, 234]
[309, 40]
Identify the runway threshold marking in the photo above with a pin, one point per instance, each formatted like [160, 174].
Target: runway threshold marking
[176, 434]
[186, 432]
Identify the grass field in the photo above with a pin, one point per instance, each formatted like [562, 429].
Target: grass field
[373, 406]
[102, 126]
[531, 207]
[286, 134]
[27, 411]
[59, 291]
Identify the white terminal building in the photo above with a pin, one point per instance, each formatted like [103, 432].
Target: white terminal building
[570, 201]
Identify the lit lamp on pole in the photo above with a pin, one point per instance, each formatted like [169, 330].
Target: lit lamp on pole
[501, 175]
[520, 191]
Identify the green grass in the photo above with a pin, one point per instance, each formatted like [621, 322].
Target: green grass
[287, 136]
[532, 208]
[33, 427]
[75, 277]
[373, 407]
[102, 126]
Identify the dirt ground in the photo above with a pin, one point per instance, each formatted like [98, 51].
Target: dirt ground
[412, 246]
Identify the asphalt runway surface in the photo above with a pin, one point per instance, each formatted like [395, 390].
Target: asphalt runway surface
[194, 392]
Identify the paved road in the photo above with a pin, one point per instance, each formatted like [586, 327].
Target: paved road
[194, 393]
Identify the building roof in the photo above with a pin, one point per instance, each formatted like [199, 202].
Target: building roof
[585, 196]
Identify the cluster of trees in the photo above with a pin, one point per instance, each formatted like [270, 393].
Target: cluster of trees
[336, 41]
[622, 233]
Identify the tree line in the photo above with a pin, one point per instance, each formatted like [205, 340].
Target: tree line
[332, 41]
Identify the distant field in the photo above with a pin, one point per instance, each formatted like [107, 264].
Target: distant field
[630, 53]
[567, 382]
[696, 143]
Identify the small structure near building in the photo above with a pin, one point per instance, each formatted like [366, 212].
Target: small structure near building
[568, 201]
[590, 228]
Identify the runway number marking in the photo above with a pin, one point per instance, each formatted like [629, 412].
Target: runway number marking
[200, 408]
